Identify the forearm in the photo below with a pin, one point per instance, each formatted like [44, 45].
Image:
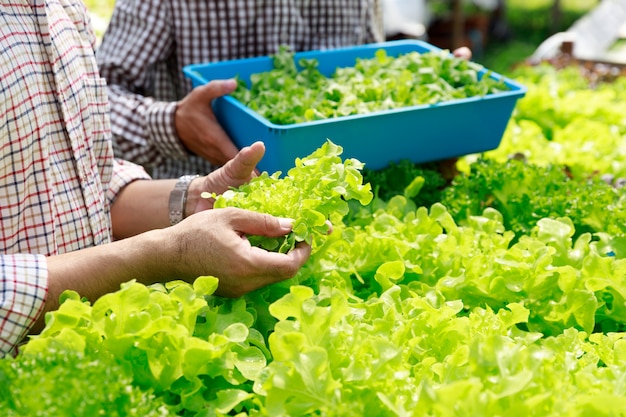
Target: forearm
[207, 243]
[98, 270]
[136, 42]
[144, 205]
[141, 206]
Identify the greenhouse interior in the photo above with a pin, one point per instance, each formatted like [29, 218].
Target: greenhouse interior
[465, 216]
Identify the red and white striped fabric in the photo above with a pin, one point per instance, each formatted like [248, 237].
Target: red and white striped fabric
[58, 176]
[148, 43]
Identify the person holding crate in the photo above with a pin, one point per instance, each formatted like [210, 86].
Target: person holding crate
[158, 121]
[75, 218]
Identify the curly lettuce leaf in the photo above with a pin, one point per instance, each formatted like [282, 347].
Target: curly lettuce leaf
[315, 191]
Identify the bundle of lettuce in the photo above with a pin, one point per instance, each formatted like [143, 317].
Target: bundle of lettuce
[314, 193]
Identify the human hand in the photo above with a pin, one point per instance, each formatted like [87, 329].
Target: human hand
[214, 243]
[197, 126]
[463, 52]
[239, 170]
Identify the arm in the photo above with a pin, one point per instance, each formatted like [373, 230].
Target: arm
[143, 205]
[136, 41]
[23, 289]
[208, 242]
[148, 128]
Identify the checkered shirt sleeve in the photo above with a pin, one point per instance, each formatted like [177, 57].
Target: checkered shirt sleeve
[22, 295]
[58, 176]
[148, 43]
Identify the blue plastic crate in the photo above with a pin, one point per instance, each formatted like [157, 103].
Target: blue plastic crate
[419, 133]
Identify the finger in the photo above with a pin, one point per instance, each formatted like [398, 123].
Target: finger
[259, 224]
[216, 88]
[330, 227]
[243, 165]
[236, 171]
[300, 253]
[280, 266]
[270, 267]
[463, 52]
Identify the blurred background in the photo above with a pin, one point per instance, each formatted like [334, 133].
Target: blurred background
[502, 33]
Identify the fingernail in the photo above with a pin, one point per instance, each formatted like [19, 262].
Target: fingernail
[285, 223]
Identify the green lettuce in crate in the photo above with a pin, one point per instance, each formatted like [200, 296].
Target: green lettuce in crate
[315, 191]
[286, 95]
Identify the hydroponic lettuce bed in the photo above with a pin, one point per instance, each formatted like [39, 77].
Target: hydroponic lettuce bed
[500, 293]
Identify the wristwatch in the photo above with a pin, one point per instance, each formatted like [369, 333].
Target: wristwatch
[178, 198]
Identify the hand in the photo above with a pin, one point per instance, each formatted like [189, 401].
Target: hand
[198, 127]
[237, 171]
[214, 243]
[463, 52]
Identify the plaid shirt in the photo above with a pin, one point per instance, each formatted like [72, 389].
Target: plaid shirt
[148, 43]
[58, 176]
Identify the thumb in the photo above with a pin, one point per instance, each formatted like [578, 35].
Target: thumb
[216, 88]
[463, 52]
[241, 167]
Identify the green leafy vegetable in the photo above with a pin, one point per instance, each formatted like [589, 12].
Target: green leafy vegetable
[62, 382]
[286, 95]
[196, 352]
[507, 299]
[525, 193]
[314, 191]
[563, 120]
[423, 183]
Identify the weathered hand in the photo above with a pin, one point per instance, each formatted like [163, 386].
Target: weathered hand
[197, 126]
[214, 242]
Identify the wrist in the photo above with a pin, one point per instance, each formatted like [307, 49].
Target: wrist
[162, 130]
[194, 196]
[153, 256]
[160, 256]
[178, 200]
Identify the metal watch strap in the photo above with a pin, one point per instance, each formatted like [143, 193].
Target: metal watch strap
[178, 198]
